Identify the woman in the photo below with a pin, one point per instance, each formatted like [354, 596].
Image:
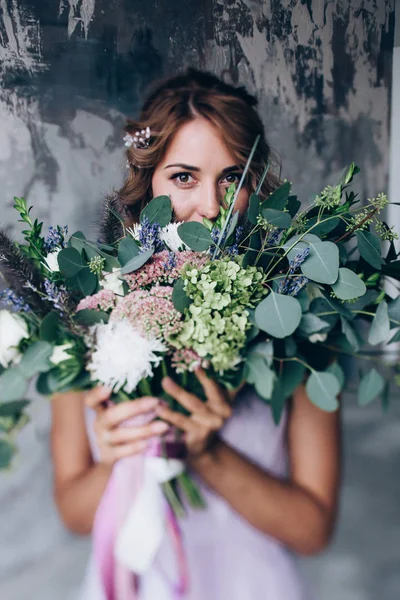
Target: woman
[270, 490]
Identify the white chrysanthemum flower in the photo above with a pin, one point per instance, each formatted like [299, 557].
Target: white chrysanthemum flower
[134, 230]
[60, 353]
[123, 356]
[111, 281]
[317, 337]
[51, 260]
[169, 235]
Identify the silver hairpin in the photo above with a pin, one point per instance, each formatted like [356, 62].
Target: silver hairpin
[141, 139]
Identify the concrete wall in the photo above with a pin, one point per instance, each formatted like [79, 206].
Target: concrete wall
[70, 70]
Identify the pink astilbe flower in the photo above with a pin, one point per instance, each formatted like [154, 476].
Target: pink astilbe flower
[185, 359]
[103, 300]
[151, 312]
[160, 269]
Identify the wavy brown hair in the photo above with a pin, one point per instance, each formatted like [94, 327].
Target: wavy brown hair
[174, 101]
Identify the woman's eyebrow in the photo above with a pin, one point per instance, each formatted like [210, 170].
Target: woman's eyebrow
[183, 166]
[192, 168]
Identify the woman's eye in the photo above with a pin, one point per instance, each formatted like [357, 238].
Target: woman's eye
[183, 178]
[231, 178]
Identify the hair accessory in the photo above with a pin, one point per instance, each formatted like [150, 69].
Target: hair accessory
[141, 139]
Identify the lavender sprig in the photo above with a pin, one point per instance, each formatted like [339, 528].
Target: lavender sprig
[149, 236]
[55, 238]
[10, 298]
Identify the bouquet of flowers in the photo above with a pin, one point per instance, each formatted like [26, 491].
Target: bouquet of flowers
[270, 299]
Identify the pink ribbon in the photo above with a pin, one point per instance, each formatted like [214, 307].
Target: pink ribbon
[118, 582]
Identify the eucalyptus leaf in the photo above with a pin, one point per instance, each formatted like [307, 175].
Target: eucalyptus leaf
[36, 359]
[350, 334]
[13, 409]
[322, 388]
[338, 372]
[264, 349]
[232, 224]
[277, 218]
[380, 326]
[79, 242]
[394, 310]
[127, 250]
[195, 235]
[158, 210]
[70, 262]
[254, 208]
[278, 315]
[89, 316]
[299, 243]
[392, 269]
[368, 298]
[49, 327]
[179, 297]
[85, 281]
[291, 376]
[293, 205]
[324, 226]
[279, 197]
[320, 306]
[12, 384]
[310, 324]
[322, 264]
[348, 285]
[369, 248]
[278, 401]
[260, 375]
[395, 338]
[138, 261]
[7, 452]
[371, 385]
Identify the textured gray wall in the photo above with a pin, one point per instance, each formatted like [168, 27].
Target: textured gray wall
[70, 70]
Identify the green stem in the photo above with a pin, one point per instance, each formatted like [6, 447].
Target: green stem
[173, 499]
[191, 490]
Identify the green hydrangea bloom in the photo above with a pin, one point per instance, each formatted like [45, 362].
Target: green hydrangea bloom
[217, 320]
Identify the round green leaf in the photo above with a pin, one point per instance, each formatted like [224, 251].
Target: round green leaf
[70, 262]
[278, 315]
[279, 197]
[254, 208]
[322, 388]
[350, 334]
[195, 235]
[36, 359]
[260, 375]
[300, 243]
[7, 452]
[324, 227]
[371, 385]
[322, 264]
[348, 285]
[89, 316]
[380, 326]
[85, 281]
[48, 330]
[138, 261]
[369, 248]
[278, 218]
[13, 409]
[338, 372]
[179, 298]
[293, 205]
[127, 250]
[158, 210]
[310, 324]
[12, 384]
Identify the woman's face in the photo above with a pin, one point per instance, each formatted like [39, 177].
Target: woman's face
[196, 171]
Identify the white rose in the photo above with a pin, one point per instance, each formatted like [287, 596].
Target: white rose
[13, 329]
[317, 337]
[51, 260]
[112, 281]
[60, 353]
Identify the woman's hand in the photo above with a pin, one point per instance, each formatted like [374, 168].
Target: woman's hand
[115, 441]
[206, 418]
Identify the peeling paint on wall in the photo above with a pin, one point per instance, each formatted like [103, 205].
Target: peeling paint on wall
[79, 11]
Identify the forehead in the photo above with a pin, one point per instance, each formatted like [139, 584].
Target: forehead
[200, 144]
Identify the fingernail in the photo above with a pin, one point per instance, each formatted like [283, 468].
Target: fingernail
[150, 402]
[159, 427]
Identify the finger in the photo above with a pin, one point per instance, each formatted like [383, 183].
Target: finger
[114, 415]
[125, 435]
[96, 397]
[180, 421]
[189, 401]
[216, 398]
[128, 449]
[211, 421]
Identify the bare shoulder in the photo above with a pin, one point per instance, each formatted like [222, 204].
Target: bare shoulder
[69, 441]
